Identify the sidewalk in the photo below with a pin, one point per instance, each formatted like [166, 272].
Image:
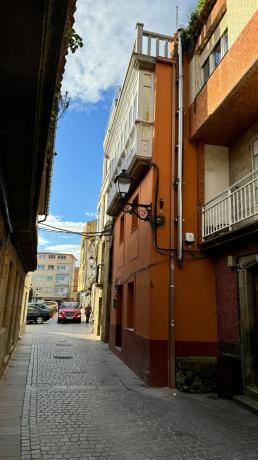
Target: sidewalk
[12, 391]
[66, 396]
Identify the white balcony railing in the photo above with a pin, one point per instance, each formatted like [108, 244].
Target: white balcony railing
[234, 207]
[151, 44]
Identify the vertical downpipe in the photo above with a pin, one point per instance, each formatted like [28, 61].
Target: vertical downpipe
[171, 328]
[180, 154]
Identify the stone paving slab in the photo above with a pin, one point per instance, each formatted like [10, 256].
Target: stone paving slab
[82, 402]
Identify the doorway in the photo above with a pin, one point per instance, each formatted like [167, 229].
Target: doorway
[119, 316]
[248, 290]
[99, 316]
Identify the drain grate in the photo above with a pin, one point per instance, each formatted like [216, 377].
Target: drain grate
[63, 357]
[63, 344]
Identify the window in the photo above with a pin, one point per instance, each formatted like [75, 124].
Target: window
[131, 118]
[146, 97]
[41, 256]
[134, 221]
[51, 267]
[61, 267]
[255, 153]
[224, 44]
[130, 306]
[205, 71]
[49, 278]
[61, 257]
[122, 229]
[218, 52]
[135, 107]
[60, 277]
[39, 278]
[51, 256]
[41, 267]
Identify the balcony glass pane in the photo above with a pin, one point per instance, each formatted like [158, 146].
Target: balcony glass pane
[217, 54]
[205, 71]
[146, 103]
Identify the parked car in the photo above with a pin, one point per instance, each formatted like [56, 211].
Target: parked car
[37, 304]
[69, 311]
[37, 315]
[51, 304]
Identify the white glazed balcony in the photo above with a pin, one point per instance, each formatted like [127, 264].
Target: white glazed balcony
[235, 207]
[128, 139]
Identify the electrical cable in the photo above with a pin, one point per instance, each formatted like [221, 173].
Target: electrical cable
[154, 227]
[154, 224]
[63, 230]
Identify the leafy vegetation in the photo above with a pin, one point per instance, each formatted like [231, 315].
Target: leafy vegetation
[73, 40]
[198, 17]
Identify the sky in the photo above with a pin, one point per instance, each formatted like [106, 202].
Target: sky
[91, 77]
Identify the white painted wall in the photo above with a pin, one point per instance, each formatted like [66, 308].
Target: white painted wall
[216, 170]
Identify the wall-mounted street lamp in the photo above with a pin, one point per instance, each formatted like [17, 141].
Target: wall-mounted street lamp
[142, 211]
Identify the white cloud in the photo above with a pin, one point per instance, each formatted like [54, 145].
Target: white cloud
[108, 32]
[57, 221]
[90, 214]
[65, 248]
[42, 241]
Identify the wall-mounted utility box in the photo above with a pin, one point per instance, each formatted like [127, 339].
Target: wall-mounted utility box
[189, 237]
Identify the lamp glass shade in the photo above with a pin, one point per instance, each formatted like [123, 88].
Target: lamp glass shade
[123, 181]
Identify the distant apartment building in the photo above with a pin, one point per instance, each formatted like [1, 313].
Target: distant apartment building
[54, 276]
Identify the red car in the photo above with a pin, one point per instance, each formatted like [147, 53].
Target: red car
[69, 311]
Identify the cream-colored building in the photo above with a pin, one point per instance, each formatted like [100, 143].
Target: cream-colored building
[75, 283]
[101, 289]
[53, 279]
[87, 271]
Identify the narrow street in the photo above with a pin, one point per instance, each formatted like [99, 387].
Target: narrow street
[66, 396]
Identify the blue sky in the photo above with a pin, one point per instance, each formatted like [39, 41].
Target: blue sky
[91, 76]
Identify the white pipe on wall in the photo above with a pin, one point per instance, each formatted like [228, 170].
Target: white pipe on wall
[180, 153]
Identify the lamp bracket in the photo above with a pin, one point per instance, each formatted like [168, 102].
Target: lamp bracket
[142, 211]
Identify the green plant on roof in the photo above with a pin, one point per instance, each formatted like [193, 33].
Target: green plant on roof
[73, 40]
[190, 33]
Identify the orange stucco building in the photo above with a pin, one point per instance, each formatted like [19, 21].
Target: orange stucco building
[162, 309]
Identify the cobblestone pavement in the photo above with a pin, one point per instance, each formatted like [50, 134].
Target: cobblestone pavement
[82, 402]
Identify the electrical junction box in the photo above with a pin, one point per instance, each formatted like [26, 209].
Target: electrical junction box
[189, 237]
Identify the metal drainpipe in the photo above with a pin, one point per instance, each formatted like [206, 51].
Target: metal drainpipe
[180, 154]
[171, 331]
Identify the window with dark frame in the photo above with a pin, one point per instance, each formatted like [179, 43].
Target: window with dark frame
[214, 58]
[217, 54]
